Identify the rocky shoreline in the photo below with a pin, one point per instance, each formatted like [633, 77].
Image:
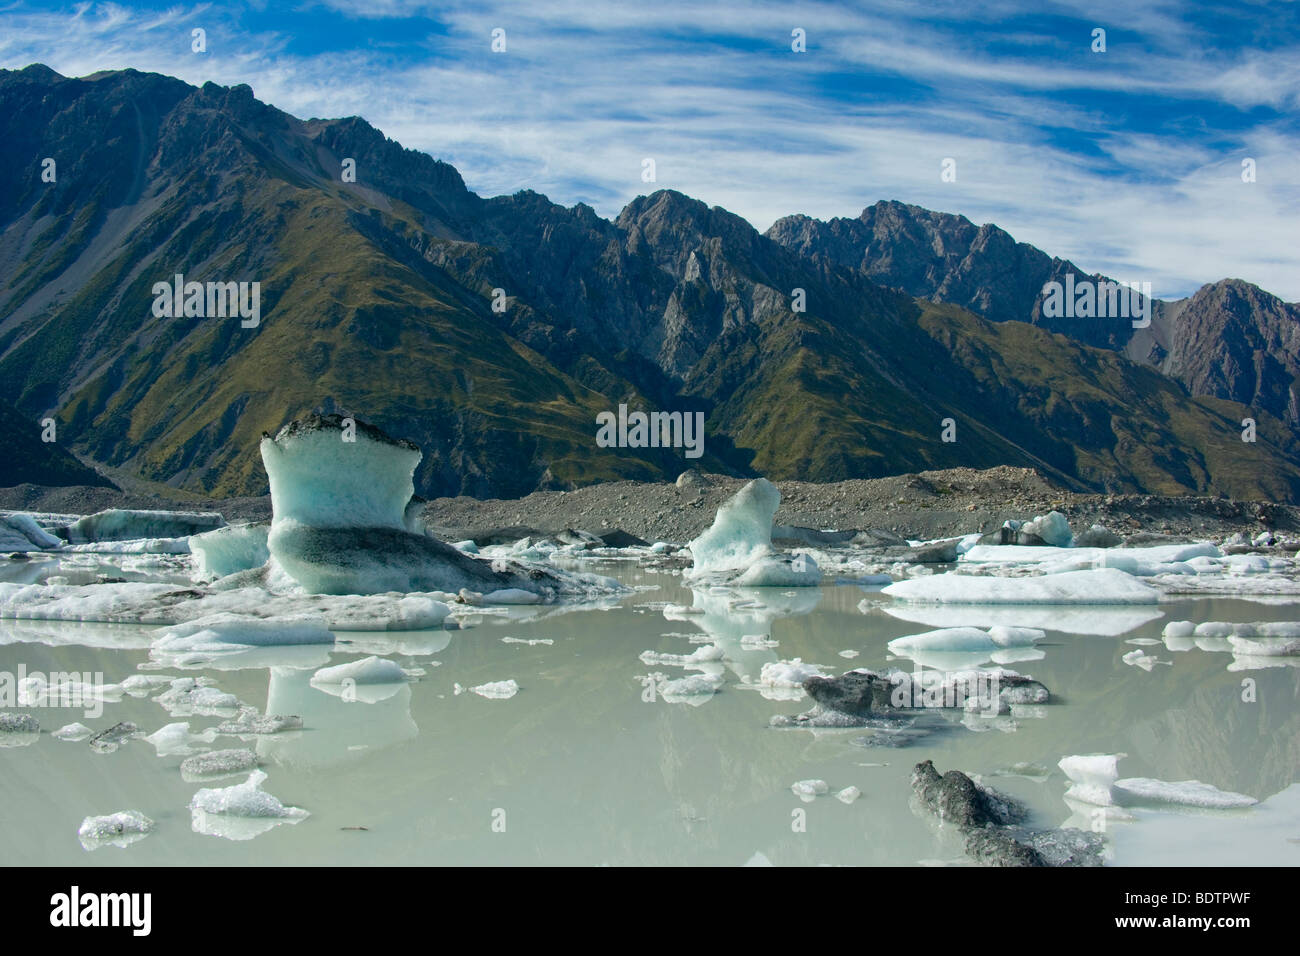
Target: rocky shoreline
[926, 505]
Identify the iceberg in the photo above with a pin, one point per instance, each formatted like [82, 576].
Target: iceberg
[124, 525]
[1095, 780]
[368, 670]
[737, 548]
[1097, 586]
[1052, 528]
[20, 532]
[967, 639]
[340, 492]
[238, 547]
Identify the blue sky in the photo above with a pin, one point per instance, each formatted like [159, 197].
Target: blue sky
[1127, 161]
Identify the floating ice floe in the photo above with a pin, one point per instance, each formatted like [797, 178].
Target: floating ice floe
[218, 763]
[808, 790]
[73, 732]
[496, 690]
[1107, 620]
[1094, 779]
[18, 730]
[175, 739]
[1099, 586]
[119, 829]
[190, 696]
[368, 670]
[848, 794]
[1139, 658]
[737, 549]
[783, 680]
[152, 603]
[240, 812]
[967, 639]
[200, 640]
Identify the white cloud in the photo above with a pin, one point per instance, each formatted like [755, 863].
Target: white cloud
[586, 90]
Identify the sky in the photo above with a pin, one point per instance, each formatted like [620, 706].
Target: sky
[1127, 161]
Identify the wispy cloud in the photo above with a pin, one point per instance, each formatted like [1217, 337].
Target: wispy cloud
[1127, 162]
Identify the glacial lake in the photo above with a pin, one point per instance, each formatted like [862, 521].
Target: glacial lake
[588, 765]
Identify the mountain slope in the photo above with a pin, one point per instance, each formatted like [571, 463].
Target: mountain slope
[377, 300]
[26, 459]
[1230, 340]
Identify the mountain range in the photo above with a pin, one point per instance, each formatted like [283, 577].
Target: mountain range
[492, 331]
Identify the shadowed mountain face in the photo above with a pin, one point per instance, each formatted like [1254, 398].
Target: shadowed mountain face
[380, 298]
[26, 459]
[1231, 340]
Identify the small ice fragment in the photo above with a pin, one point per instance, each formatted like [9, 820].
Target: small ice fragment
[249, 721]
[849, 654]
[246, 799]
[848, 794]
[176, 739]
[74, 732]
[218, 763]
[119, 829]
[497, 690]
[807, 790]
[368, 670]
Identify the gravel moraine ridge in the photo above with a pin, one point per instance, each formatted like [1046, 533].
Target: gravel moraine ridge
[931, 504]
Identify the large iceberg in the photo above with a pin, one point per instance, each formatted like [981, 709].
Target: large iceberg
[125, 525]
[737, 548]
[1099, 586]
[341, 496]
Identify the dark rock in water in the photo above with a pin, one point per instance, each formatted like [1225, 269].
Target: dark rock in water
[989, 822]
[956, 798]
[20, 556]
[858, 692]
[1098, 537]
[994, 846]
[621, 539]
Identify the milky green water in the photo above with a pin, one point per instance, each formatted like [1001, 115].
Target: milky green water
[585, 766]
